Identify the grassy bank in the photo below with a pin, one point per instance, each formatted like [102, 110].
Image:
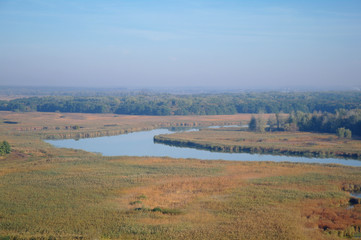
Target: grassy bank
[78, 125]
[279, 143]
[50, 193]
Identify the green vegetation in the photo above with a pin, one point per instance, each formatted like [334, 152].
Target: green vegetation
[257, 124]
[191, 104]
[329, 123]
[344, 123]
[5, 148]
[344, 133]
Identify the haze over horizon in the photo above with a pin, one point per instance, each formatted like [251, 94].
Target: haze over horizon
[229, 44]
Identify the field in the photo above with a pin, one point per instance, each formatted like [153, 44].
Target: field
[76, 125]
[50, 193]
[287, 143]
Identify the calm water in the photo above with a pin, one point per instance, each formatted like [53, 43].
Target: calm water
[356, 194]
[141, 144]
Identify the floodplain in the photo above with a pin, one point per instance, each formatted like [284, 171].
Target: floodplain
[280, 142]
[52, 193]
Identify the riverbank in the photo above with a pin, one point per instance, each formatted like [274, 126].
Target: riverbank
[237, 140]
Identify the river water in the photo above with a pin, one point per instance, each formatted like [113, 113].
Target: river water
[141, 144]
[356, 194]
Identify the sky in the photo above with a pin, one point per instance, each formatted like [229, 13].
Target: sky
[198, 43]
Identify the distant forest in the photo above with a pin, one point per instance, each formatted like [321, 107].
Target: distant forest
[191, 104]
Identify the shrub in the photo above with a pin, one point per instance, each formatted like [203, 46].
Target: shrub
[4, 148]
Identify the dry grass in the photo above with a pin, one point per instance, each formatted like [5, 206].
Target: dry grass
[299, 143]
[80, 125]
[67, 194]
[36, 120]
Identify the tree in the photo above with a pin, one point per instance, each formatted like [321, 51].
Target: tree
[291, 124]
[5, 148]
[344, 133]
[257, 125]
[261, 124]
[348, 133]
[341, 132]
[253, 124]
[278, 121]
[272, 123]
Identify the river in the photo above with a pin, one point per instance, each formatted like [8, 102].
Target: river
[141, 144]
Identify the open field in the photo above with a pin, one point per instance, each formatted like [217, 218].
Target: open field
[80, 125]
[50, 193]
[288, 143]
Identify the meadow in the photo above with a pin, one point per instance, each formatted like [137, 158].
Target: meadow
[51, 193]
[280, 143]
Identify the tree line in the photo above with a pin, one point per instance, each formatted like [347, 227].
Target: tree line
[344, 123]
[192, 104]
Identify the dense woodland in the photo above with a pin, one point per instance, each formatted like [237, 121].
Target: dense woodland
[191, 104]
[342, 120]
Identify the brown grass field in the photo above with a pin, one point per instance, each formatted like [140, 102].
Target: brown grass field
[50, 193]
[292, 143]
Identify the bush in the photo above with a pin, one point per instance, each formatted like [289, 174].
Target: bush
[167, 211]
[4, 148]
[157, 209]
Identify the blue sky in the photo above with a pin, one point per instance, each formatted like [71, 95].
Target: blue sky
[242, 44]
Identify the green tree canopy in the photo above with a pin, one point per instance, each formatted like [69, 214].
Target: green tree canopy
[5, 148]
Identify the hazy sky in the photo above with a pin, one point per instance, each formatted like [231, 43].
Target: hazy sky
[145, 43]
